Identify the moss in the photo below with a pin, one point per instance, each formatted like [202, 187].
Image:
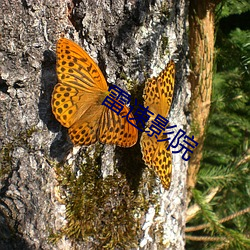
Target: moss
[19, 140]
[130, 83]
[164, 45]
[105, 212]
[164, 10]
[28, 133]
[5, 160]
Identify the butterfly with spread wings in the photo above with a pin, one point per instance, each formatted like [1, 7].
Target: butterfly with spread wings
[157, 94]
[77, 101]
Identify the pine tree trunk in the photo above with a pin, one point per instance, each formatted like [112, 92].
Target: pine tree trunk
[39, 195]
[201, 41]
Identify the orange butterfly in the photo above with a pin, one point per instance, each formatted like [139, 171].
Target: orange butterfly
[157, 94]
[77, 101]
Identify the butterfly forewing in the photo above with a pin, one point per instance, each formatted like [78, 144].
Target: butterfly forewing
[158, 91]
[63, 105]
[76, 69]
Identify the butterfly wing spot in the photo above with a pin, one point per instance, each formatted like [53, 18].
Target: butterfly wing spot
[59, 110]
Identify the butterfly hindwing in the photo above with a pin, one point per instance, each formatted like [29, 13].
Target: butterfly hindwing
[85, 130]
[157, 156]
[116, 129]
[163, 164]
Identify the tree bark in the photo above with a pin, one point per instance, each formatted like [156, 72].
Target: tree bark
[39, 167]
[201, 41]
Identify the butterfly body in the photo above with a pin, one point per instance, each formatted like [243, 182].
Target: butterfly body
[77, 101]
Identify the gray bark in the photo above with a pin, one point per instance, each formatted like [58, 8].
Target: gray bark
[123, 36]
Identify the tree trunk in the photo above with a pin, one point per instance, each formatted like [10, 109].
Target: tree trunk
[54, 196]
[201, 41]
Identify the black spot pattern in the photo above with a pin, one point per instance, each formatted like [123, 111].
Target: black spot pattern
[157, 95]
[78, 75]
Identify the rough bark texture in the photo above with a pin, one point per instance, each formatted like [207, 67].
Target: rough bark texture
[123, 36]
[201, 41]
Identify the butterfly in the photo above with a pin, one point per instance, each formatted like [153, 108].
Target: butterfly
[77, 101]
[157, 95]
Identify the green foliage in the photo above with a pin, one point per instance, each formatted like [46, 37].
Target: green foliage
[230, 7]
[226, 154]
[207, 211]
